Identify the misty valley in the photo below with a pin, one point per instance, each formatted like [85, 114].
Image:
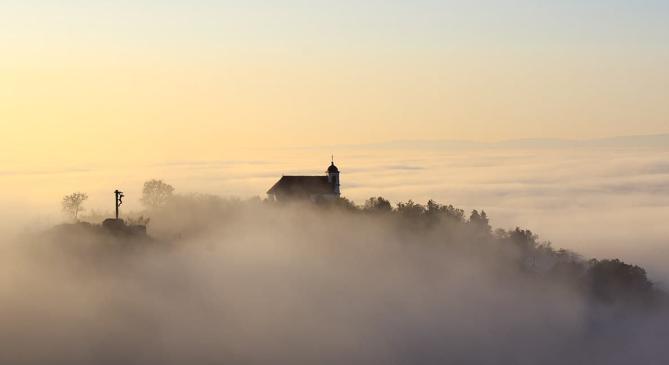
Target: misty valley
[197, 278]
[350, 182]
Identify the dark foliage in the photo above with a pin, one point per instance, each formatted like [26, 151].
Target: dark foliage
[606, 281]
[613, 281]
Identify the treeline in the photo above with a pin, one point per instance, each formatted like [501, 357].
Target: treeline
[609, 281]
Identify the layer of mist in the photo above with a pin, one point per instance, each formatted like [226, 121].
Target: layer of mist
[602, 198]
[253, 282]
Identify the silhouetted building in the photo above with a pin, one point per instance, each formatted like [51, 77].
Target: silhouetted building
[307, 187]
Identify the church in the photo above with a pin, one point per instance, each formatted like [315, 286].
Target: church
[313, 188]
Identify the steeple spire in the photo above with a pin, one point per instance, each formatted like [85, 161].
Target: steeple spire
[333, 176]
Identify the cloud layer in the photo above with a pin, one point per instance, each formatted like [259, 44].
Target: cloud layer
[246, 283]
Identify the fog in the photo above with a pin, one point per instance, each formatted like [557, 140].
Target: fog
[602, 198]
[236, 281]
[229, 281]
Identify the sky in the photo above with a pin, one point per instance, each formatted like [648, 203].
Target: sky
[91, 81]
[507, 106]
[223, 97]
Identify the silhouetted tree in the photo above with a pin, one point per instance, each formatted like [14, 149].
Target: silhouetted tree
[156, 193]
[615, 281]
[377, 205]
[480, 221]
[455, 213]
[410, 209]
[346, 204]
[73, 204]
[435, 213]
[474, 217]
[523, 238]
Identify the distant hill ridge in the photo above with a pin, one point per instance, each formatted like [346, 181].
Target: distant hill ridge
[634, 141]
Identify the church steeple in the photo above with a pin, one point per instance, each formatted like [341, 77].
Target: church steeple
[333, 176]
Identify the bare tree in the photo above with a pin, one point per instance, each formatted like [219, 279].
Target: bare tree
[156, 193]
[73, 204]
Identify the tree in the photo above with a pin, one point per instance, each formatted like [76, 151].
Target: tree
[156, 193]
[441, 211]
[378, 205]
[524, 239]
[614, 280]
[480, 220]
[73, 204]
[410, 209]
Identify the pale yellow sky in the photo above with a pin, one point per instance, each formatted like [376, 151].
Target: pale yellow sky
[89, 82]
[94, 107]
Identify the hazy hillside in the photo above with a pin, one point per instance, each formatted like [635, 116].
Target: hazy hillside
[259, 282]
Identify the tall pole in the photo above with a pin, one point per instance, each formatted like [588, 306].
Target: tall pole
[118, 195]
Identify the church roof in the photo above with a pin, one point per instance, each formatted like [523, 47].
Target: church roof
[302, 185]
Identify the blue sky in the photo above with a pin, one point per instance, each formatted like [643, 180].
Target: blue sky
[412, 23]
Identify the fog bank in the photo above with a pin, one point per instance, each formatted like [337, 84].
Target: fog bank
[243, 282]
[603, 198]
